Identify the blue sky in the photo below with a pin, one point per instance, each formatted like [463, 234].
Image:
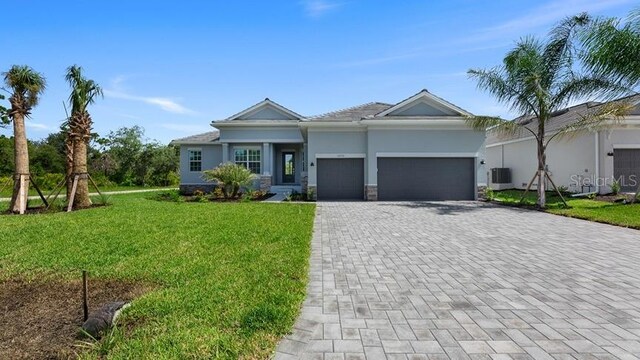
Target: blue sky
[172, 67]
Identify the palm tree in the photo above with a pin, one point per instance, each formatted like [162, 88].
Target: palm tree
[83, 93]
[613, 50]
[25, 86]
[538, 78]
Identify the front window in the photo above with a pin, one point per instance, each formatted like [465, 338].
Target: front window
[249, 158]
[195, 160]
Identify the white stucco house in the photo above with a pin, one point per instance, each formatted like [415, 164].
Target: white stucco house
[588, 162]
[418, 149]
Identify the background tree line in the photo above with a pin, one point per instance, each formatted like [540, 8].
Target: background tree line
[122, 157]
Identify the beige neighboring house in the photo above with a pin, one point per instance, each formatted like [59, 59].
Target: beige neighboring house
[587, 162]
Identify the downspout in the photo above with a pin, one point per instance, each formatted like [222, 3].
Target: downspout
[597, 162]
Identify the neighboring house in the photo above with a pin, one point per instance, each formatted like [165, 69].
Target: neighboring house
[585, 162]
[418, 149]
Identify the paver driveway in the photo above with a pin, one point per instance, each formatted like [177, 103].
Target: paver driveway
[466, 280]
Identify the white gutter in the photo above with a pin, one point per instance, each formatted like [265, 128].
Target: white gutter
[597, 162]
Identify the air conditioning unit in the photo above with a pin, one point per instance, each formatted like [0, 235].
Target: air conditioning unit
[501, 179]
[501, 175]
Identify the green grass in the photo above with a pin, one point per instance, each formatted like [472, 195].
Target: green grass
[600, 211]
[230, 276]
[6, 192]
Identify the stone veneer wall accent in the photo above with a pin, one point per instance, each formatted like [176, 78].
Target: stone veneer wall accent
[311, 190]
[265, 183]
[482, 190]
[190, 189]
[371, 192]
[304, 184]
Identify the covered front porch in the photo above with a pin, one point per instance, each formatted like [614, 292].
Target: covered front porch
[280, 167]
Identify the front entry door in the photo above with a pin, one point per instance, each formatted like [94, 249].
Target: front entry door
[288, 167]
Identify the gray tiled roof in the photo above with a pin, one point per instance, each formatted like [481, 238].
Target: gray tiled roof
[353, 113]
[203, 138]
[561, 119]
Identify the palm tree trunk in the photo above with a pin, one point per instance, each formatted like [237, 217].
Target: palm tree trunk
[21, 175]
[542, 168]
[81, 199]
[68, 146]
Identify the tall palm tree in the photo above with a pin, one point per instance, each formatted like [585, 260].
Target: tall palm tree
[538, 78]
[83, 93]
[25, 85]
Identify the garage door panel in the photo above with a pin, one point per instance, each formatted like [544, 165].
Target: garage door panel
[340, 179]
[626, 168]
[426, 178]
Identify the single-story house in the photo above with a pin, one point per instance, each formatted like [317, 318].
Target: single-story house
[418, 149]
[587, 162]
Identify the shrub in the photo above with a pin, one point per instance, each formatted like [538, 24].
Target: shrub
[489, 194]
[48, 181]
[230, 177]
[615, 187]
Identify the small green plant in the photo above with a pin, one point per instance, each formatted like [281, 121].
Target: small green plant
[172, 196]
[231, 178]
[489, 194]
[311, 194]
[217, 193]
[592, 196]
[563, 189]
[615, 187]
[199, 196]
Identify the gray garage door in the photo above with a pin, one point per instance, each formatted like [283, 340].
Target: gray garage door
[426, 179]
[626, 168]
[340, 179]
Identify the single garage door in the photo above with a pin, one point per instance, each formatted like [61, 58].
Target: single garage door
[340, 179]
[626, 168]
[426, 178]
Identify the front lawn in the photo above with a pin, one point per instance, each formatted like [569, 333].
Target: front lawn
[228, 279]
[7, 190]
[600, 211]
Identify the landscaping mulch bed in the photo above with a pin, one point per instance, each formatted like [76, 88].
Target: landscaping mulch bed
[41, 319]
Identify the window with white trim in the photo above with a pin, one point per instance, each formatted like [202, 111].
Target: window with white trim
[249, 158]
[195, 160]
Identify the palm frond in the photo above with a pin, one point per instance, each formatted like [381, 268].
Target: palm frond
[603, 117]
[559, 50]
[579, 87]
[26, 85]
[505, 91]
[497, 125]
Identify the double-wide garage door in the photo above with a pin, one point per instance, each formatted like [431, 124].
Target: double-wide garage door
[426, 178]
[626, 168]
[340, 179]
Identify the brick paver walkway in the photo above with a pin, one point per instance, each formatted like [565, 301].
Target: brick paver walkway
[466, 281]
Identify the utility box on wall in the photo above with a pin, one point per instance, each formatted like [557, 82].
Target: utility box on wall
[501, 179]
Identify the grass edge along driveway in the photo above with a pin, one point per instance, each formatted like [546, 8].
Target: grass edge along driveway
[619, 214]
[230, 277]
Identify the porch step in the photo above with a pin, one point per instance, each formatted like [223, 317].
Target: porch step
[281, 189]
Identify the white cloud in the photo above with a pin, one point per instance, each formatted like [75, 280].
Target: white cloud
[186, 128]
[165, 104]
[318, 8]
[36, 126]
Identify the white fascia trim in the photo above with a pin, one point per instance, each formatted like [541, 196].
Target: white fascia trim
[256, 123]
[334, 129]
[507, 142]
[264, 103]
[626, 146]
[428, 154]
[427, 95]
[263, 141]
[341, 156]
[187, 143]
[330, 124]
[418, 122]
